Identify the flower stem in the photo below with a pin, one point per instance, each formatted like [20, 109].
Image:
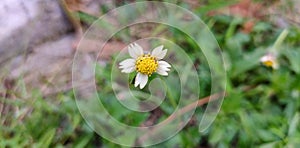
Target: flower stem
[172, 99]
[280, 39]
[179, 113]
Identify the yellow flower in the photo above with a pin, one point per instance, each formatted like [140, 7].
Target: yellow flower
[270, 60]
[145, 64]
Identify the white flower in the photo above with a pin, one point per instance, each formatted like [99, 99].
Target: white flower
[270, 60]
[145, 64]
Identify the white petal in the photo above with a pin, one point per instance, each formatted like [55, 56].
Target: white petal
[126, 66]
[158, 52]
[138, 49]
[127, 63]
[161, 68]
[164, 63]
[268, 57]
[131, 51]
[137, 80]
[128, 69]
[135, 50]
[144, 80]
[141, 80]
[161, 72]
[264, 58]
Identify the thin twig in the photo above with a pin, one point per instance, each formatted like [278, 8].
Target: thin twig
[180, 112]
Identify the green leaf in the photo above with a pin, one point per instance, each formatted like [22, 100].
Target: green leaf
[214, 5]
[249, 61]
[294, 124]
[82, 142]
[46, 139]
[270, 145]
[294, 58]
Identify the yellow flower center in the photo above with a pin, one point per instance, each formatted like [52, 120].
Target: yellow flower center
[146, 64]
[268, 63]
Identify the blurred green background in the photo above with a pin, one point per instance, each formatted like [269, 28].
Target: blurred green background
[261, 107]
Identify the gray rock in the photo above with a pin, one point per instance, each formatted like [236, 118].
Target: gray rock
[24, 24]
[48, 67]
